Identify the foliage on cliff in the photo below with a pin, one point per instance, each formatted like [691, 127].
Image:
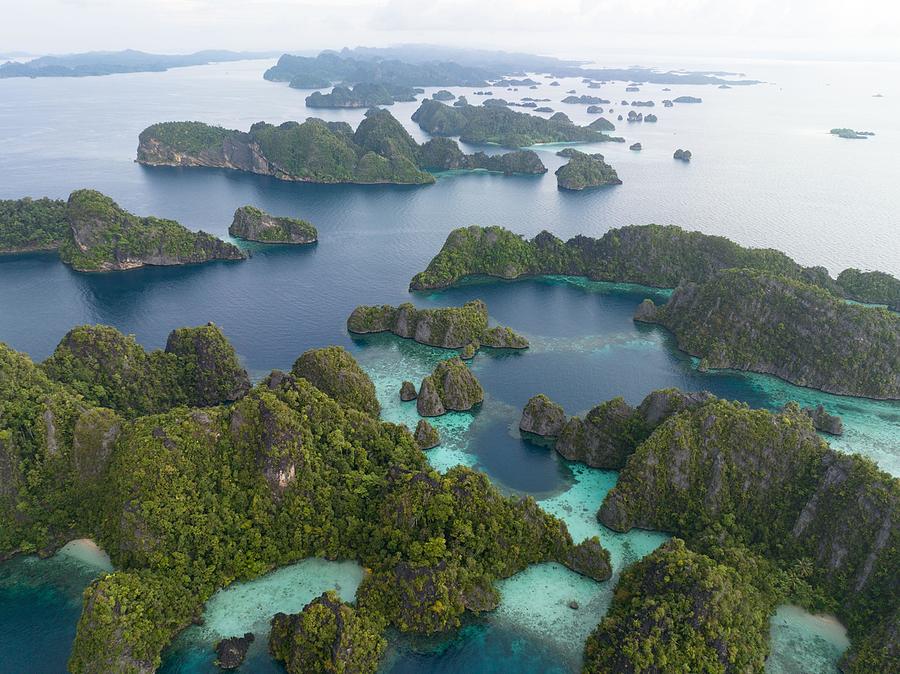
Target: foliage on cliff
[722, 475]
[32, 224]
[333, 370]
[584, 171]
[106, 237]
[199, 367]
[363, 95]
[871, 287]
[680, 611]
[254, 224]
[379, 151]
[752, 320]
[500, 125]
[446, 327]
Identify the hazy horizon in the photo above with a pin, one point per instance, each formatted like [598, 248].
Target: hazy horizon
[789, 29]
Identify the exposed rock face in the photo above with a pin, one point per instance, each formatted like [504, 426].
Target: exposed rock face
[444, 154]
[408, 391]
[662, 404]
[105, 237]
[335, 372]
[645, 312]
[770, 480]
[426, 435]
[604, 438]
[677, 610]
[542, 416]
[429, 404]
[448, 327]
[230, 653]
[750, 320]
[827, 423]
[253, 224]
[451, 387]
[590, 559]
[327, 636]
[93, 438]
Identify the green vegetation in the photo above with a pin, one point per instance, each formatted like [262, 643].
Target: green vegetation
[252, 224]
[32, 224]
[363, 95]
[379, 151]
[105, 237]
[451, 386]
[327, 636]
[198, 368]
[652, 255]
[446, 327]
[334, 371]
[870, 287]
[584, 171]
[500, 125]
[752, 320]
[762, 493]
[680, 611]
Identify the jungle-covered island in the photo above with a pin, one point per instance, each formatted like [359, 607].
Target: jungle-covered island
[379, 151]
[659, 256]
[88, 64]
[253, 224]
[446, 327]
[502, 126]
[107, 441]
[363, 95]
[92, 233]
[584, 171]
[754, 320]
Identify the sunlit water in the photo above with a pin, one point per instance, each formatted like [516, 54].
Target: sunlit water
[765, 173]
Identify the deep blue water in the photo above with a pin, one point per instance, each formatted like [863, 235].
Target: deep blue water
[764, 173]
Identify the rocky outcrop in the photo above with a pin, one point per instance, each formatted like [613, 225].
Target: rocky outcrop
[750, 320]
[426, 435]
[230, 653]
[682, 155]
[590, 559]
[210, 369]
[637, 147]
[451, 387]
[823, 421]
[408, 391]
[688, 99]
[327, 636]
[447, 327]
[603, 438]
[105, 237]
[542, 416]
[335, 372]
[253, 224]
[444, 154]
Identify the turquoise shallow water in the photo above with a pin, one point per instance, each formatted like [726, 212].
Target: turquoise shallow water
[784, 184]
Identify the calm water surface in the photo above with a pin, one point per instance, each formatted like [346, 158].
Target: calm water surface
[765, 173]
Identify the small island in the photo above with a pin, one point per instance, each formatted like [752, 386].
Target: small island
[687, 99]
[446, 327]
[253, 224]
[851, 134]
[363, 95]
[682, 155]
[450, 388]
[443, 95]
[585, 171]
[637, 147]
[502, 126]
[585, 99]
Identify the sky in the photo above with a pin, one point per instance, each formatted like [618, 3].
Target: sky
[818, 29]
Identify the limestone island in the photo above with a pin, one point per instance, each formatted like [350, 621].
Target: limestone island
[379, 151]
[502, 126]
[363, 95]
[585, 99]
[584, 171]
[653, 255]
[446, 327]
[682, 155]
[636, 147]
[764, 322]
[850, 133]
[687, 99]
[450, 388]
[443, 95]
[763, 495]
[92, 233]
[252, 224]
